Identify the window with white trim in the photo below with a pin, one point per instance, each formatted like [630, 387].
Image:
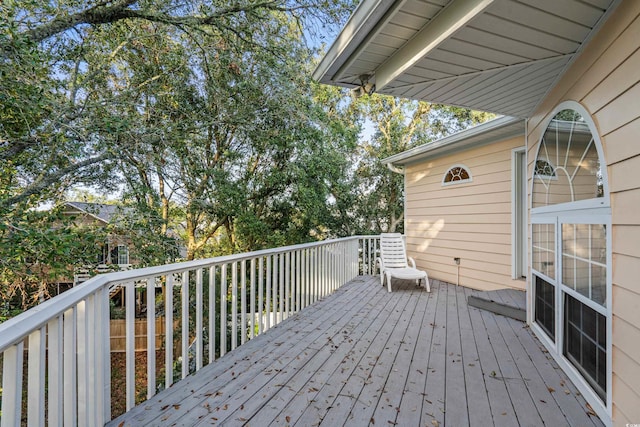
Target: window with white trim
[571, 251]
[120, 255]
[457, 174]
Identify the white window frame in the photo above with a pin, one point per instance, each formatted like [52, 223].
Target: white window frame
[462, 181]
[120, 250]
[519, 244]
[590, 211]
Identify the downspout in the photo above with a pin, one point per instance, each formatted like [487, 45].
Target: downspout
[395, 169]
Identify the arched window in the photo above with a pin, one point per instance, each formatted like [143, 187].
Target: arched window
[457, 174]
[571, 251]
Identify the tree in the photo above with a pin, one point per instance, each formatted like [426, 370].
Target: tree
[54, 127]
[39, 249]
[110, 92]
[399, 125]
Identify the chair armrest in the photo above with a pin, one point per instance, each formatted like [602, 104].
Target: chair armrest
[412, 262]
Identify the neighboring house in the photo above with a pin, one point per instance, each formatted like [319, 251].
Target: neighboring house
[548, 192]
[114, 252]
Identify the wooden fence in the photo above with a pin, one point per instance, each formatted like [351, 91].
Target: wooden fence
[118, 334]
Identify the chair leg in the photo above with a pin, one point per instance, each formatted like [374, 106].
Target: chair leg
[426, 283]
[389, 282]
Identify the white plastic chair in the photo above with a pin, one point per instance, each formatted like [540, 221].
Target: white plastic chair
[393, 262]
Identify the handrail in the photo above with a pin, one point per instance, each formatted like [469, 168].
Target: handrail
[21, 325]
[218, 304]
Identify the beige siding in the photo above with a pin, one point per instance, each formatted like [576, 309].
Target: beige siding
[470, 221]
[605, 79]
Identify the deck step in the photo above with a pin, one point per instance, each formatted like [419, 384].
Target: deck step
[507, 302]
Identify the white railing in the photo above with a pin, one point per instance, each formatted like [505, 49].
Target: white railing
[210, 307]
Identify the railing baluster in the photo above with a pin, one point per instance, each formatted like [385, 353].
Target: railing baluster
[267, 308]
[199, 322]
[130, 306]
[274, 290]
[308, 284]
[35, 378]
[260, 294]
[83, 370]
[168, 328]
[55, 386]
[185, 323]
[212, 313]
[104, 353]
[281, 286]
[243, 301]
[151, 337]
[223, 310]
[298, 281]
[12, 380]
[234, 305]
[290, 262]
[252, 319]
[70, 400]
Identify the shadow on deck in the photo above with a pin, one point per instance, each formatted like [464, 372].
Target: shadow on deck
[363, 356]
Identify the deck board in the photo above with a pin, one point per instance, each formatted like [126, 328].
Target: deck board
[364, 356]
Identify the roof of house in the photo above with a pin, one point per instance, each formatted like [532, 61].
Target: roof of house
[501, 56]
[100, 211]
[486, 133]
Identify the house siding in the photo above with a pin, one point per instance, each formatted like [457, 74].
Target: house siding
[470, 221]
[605, 80]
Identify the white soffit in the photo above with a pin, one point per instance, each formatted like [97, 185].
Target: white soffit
[501, 56]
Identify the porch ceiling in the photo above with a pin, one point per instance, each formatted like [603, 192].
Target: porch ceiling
[501, 56]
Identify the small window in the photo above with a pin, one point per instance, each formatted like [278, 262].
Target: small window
[120, 255]
[457, 174]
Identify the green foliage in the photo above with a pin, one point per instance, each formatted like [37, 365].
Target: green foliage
[398, 126]
[203, 116]
[39, 249]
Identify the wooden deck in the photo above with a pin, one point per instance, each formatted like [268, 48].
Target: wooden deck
[366, 357]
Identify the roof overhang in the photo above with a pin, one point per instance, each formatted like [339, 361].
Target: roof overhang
[489, 132]
[501, 56]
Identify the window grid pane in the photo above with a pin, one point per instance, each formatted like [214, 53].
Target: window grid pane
[544, 244]
[585, 343]
[584, 266]
[545, 307]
